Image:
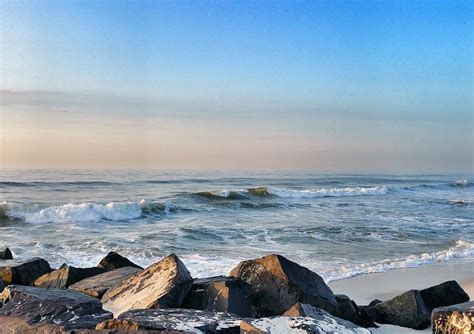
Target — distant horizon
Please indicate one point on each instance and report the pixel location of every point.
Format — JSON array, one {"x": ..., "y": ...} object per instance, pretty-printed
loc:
[{"x": 321, "y": 86}]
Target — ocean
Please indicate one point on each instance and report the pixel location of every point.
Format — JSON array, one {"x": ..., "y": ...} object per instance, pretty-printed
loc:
[{"x": 337, "y": 225}]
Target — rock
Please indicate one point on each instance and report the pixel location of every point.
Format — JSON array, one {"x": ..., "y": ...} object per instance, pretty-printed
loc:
[
  {"x": 444, "y": 294},
  {"x": 164, "y": 284},
  {"x": 114, "y": 261},
  {"x": 97, "y": 285},
  {"x": 175, "y": 319},
  {"x": 278, "y": 283},
  {"x": 2, "y": 286},
  {"x": 66, "y": 275},
  {"x": 350, "y": 311},
  {"x": 63, "y": 308},
  {"x": 454, "y": 319},
  {"x": 406, "y": 310},
  {"x": 222, "y": 294},
  {"x": 315, "y": 321},
  {"x": 6, "y": 254},
  {"x": 23, "y": 273}
]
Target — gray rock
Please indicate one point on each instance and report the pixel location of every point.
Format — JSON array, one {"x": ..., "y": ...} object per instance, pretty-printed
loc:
[
  {"x": 454, "y": 319},
  {"x": 351, "y": 312},
  {"x": 6, "y": 254},
  {"x": 63, "y": 308},
  {"x": 278, "y": 283},
  {"x": 175, "y": 319},
  {"x": 164, "y": 284},
  {"x": 114, "y": 261},
  {"x": 221, "y": 294},
  {"x": 444, "y": 294},
  {"x": 406, "y": 310},
  {"x": 97, "y": 285},
  {"x": 66, "y": 275},
  {"x": 23, "y": 273},
  {"x": 314, "y": 321}
]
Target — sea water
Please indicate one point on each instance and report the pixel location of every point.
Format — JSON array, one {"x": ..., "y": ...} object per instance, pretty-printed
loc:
[{"x": 336, "y": 225}]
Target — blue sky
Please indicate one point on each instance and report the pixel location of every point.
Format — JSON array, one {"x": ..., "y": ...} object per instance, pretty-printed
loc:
[{"x": 322, "y": 76}]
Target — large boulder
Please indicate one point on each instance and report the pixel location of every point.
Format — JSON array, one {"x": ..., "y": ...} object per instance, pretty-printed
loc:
[
  {"x": 222, "y": 294},
  {"x": 175, "y": 319},
  {"x": 444, "y": 294},
  {"x": 350, "y": 311},
  {"x": 62, "y": 308},
  {"x": 314, "y": 321},
  {"x": 278, "y": 283},
  {"x": 66, "y": 275},
  {"x": 97, "y": 285},
  {"x": 164, "y": 284},
  {"x": 454, "y": 319},
  {"x": 405, "y": 310},
  {"x": 114, "y": 261},
  {"x": 23, "y": 273},
  {"x": 6, "y": 254}
]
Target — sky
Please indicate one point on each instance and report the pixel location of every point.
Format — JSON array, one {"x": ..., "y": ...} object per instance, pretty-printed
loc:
[{"x": 329, "y": 86}]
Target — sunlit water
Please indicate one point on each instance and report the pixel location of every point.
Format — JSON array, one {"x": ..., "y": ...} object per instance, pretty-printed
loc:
[{"x": 337, "y": 225}]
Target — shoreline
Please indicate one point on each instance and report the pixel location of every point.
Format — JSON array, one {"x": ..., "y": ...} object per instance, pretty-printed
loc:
[{"x": 386, "y": 285}]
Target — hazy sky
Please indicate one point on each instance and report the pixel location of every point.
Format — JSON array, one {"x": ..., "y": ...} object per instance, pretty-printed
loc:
[{"x": 383, "y": 86}]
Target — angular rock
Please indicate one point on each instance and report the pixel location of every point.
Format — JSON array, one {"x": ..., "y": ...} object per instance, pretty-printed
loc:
[
  {"x": 350, "y": 311},
  {"x": 221, "y": 294},
  {"x": 454, "y": 319},
  {"x": 318, "y": 322},
  {"x": 6, "y": 254},
  {"x": 444, "y": 294},
  {"x": 164, "y": 284},
  {"x": 175, "y": 319},
  {"x": 278, "y": 283},
  {"x": 97, "y": 285},
  {"x": 114, "y": 261},
  {"x": 23, "y": 273},
  {"x": 405, "y": 310},
  {"x": 63, "y": 308},
  {"x": 66, "y": 275}
]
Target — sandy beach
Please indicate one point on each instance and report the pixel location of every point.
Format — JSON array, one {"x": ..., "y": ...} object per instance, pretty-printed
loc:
[{"x": 365, "y": 288}]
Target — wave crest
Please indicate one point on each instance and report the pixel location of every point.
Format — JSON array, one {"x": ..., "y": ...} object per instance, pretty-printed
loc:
[{"x": 83, "y": 212}]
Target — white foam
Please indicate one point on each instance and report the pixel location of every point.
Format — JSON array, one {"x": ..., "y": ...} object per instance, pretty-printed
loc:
[
  {"x": 333, "y": 192},
  {"x": 461, "y": 250}
]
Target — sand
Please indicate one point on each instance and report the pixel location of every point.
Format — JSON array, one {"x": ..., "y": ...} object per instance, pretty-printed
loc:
[{"x": 365, "y": 288}]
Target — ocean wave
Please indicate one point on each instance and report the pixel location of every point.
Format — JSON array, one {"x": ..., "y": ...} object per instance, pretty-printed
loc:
[
  {"x": 291, "y": 193},
  {"x": 462, "y": 249},
  {"x": 84, "y": 212}
]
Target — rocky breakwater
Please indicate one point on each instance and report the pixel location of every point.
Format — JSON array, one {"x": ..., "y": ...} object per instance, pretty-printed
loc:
[{"x": 266, "y": 295}]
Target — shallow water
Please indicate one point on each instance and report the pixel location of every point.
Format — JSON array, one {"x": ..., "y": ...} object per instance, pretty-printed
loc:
[{"x": 337, "y": 225}]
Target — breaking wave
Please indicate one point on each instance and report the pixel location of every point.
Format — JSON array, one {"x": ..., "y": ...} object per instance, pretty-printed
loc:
[
  {"x": 83, "y": 212},
  {"x": 290, "y": 193},
  {"x": 462, "y": 249}
]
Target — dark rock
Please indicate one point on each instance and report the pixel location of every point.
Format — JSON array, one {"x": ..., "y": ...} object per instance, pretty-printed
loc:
[
  {"x": 350, "y": 311},
  {"x": 301, "y": 318},
  {"x": 97, "y": 285},
  {"x": 278, "y": 283},
  {"x": 406, "y": 310},
  {"x": 221, "y": 294},
  {"x": 454, "y": 319},
  {"x": 6, "y": 254},
  {"x": 444, "y": 294},
  {"x": 23, "y": 273},
  {"x": 2, "y": 286},
  {"x": 375, "y": 302},
  {"x": 175, "y": 319},
  {"x": 66, "y": 275},
  {"x": 164, "y": 284},
  {"x": 63, "y": 308},
  {"x": 114, "y": 261}
]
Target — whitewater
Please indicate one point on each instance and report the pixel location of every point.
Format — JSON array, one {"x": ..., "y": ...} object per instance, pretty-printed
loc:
[{"x": 337, "y": 225}]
